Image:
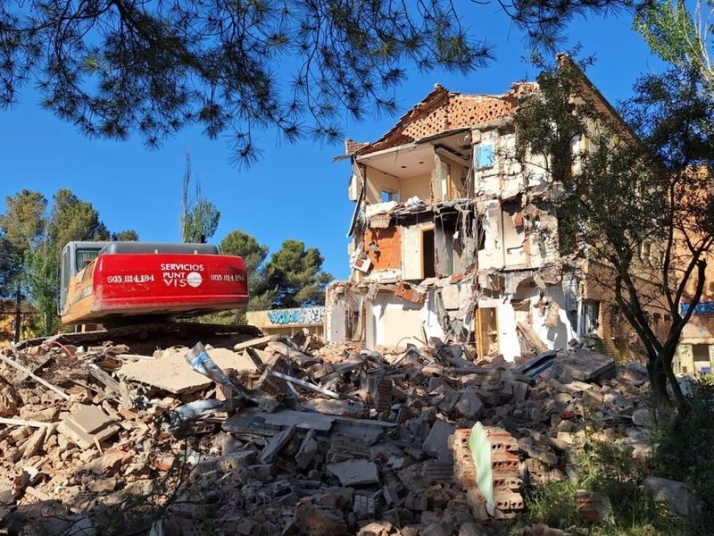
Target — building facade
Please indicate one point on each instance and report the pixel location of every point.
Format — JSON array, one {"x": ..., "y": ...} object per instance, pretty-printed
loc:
[{"x": 456, "y": 238}]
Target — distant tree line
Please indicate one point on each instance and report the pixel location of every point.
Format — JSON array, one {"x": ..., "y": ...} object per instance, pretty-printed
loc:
[{"x": 33, "y": 231}]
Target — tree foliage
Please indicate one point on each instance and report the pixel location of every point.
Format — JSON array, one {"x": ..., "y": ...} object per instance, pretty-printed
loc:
[
  {"x": 241, "y": 243},
  {"x": 73, "y": 219},
  {"x": 640, "y": 199},
  {"x": 129, "y": 235},
  {"x": 32, "y": 235},
  {"x": 199, "y": 217},
  {"x": 22, "y": 222},
  {"x": 293, "y": 276},
  {"x": 10, "y": 269},
  {"x": 114, "y": 67},
  {"x": 680, "y": 33}
]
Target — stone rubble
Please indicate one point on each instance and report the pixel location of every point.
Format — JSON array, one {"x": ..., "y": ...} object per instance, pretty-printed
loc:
[{"x": 320, "y": 440}]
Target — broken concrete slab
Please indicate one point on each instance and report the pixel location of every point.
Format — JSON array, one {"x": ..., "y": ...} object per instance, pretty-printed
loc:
[
  {"x": 677, "y": 496},
  {"x": 354, "y": 472},
  {"x": 308, "y": 449},
  {"x": 436, "y": 443},
  {"x": 87, "y": 426},
  {"x": 172, "y": 373},
  {"x": 585, "y": 365},
  {"x": 278, "y": 441}
]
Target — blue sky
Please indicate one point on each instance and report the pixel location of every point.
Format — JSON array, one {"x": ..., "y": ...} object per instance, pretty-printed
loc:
[{"x": 295, "y": 191}]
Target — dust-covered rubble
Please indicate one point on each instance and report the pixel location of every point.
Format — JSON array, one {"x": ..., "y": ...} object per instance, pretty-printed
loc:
[{"x": 288, "y": 436}]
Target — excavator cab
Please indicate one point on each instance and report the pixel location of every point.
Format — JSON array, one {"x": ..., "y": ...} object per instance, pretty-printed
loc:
[{"x": 74, "y": 257}]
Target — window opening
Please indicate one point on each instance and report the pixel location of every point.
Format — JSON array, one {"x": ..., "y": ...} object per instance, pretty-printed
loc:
[
  {"x": 427, "y": 251},
  {"x": 388, "y": 196},
  {"x": 485, "y": 156}
]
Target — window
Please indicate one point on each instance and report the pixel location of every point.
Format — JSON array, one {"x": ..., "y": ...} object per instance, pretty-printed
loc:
[
  {"x": 388, "y": 196},
  {"x": 85, "y": 256},
  {"x": 485, "y": 156},
  {"x": 589, "y": 321}
]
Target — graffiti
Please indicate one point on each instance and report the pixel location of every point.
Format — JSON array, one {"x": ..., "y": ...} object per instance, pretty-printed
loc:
[
  {"x": 306, "y": 316},
  {"x": 702, "y": 308}
]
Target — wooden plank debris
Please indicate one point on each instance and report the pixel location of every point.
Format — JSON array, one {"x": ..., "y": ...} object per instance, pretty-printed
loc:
[{"x": 36, "y": 378}]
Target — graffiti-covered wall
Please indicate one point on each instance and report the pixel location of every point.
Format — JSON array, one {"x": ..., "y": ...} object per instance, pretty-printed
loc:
[{"x": 286, "y": 320}]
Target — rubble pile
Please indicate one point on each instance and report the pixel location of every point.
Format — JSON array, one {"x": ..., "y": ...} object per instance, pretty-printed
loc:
[{"x": 287, "y": 436}]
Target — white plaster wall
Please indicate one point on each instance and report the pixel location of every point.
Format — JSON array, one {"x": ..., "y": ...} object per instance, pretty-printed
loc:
[
  {"x": 508, "y": 340},
  {"x": 412, "y": 250},
  {"x": 487, "y": 180},
  {"x": 378, "y": 181},
  {"x": 492, "y": 254},
  {"x": 394, "y": 322},
  {"x": 555, "y": 337},
  {"x": 335, "y": 320},
  {"x": 415, "y": 186},
  {"x": 430, "y": 318}
]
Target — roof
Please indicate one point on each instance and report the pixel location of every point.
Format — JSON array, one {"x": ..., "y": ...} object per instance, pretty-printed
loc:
[{"x": 444, "y": 111}]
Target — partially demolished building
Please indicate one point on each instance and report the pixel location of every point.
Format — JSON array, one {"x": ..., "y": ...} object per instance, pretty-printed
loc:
[{"x": 456, "y": 238}]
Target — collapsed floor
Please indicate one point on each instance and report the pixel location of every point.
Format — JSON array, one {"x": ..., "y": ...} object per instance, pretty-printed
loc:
[{"x": 295, "y": 437}]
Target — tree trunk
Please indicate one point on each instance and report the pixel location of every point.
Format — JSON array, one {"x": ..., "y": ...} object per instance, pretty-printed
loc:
[
  {"x": 18, "y": 314},
  {"x": 658, "y": 379},
  {"x": 666, "y": 356}
]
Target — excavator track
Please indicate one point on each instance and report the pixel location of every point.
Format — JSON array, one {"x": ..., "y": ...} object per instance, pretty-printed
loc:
[{"x": 158, "y": 334}]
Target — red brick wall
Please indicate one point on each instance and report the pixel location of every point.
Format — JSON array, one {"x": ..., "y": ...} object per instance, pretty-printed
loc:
[{"x": 389, "y": 242}]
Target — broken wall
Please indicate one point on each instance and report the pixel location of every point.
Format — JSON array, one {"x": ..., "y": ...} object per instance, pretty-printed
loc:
[
  {"x": 404, "y": 187},
  {"x": 450, "y": 253},
  {"x": 515, "y": 246},
  {"x": 491, "y": 255},
  {"x": 384, "y": 247},
  {"x": 486, "y": 160},
  {"x": 342, "y": 309},
  {"x": 393, "y": 321}
]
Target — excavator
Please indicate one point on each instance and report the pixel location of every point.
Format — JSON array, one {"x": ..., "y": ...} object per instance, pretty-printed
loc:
[
  {"x": 129, "y": 288},
  {"x": 104, "y": 282}
]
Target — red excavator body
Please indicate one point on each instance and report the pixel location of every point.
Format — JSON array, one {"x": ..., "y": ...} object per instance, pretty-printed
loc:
[{"x": 116, "y": 281}]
